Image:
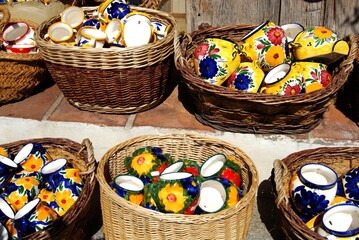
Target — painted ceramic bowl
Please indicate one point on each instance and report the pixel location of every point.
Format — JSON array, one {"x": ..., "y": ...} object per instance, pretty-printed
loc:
[
  {"x": 183, "y": 165},
  {"x": 291, "y": 30},
  {"x": 6, "y": 211},
  {"x": 7, "y": 169},
  {"x": 267, "y": 45},
  {"x": 247, "y": 77},
  {"x": 213, "y": 196},
  {"x": 216, "y": 59},
  {"x": 93, "y": 22},
  {"x": 340, "y": 222},
  {"x": 312, "y": 189},
  {"x": 48, "y": 197},
  {"x": 234, "y": 193},
  {"x": 319, "y": 44},
  {"x": 130, "y": 188},
  {"x": 5, "y": 152},
  {"x": 176, "y": 192},
  {"x": 148, "y": 201},
  {"x": 146, "y": 160},
  {"x": 111, "y": 9},
  {"x": 161, "y": 29},
  {"x": 32, "y": 157},
  {"x": 349, "y": 185}
]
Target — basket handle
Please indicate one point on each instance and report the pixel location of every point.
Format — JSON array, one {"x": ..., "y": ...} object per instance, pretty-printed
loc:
[
  {"x": 179, "y": 38},
  {"x": 280, "y": 173},
  {"x": 5, "y": 19},
  {"x": 91, "y": 164}
]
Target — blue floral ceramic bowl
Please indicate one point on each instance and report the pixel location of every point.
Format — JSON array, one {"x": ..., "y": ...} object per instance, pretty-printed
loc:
[
  {"x": 348, "y": 185},
  {"x": 7, "y": 169},
  {"x": 130, "y": 188},
  {"x": 111, "y": 9}
]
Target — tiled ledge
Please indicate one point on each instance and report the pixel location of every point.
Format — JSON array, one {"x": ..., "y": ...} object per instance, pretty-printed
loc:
[{"x": 49, "y": 104}]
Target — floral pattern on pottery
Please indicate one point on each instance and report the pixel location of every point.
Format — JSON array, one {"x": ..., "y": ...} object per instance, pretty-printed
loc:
[
  {"x": 176, "y": 193},
  {"x": 213, "y": 196},
  {"x": 32, "y": 157},
  {"x": 234, "y": 193},
  {"x": 113, "y": 9},
  {"x": 148, "y": 201},
  {"x": 350, "y": 183},
  {"x": 247, "y": 77},
  {"x": 216, "y": 59},
  {"x": 146, "y": 160},
  {"x": 66, "y": 197},
  {"x": 24, "y": 173},
  {"x": 5, "y": 152},
  {"x": 7, "y": 169},
  {"x": 129, "y": 188},
  {"x": 184, "y": 165},
  {"x": 48, "y": 197},
  {"x": 312, "y": 189}
]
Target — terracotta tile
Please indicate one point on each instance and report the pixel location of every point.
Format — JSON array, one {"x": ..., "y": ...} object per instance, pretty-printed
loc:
[
  {"x": 68, "y": 113},
  {"x": 170, "y": 114},
  {"x": 33, "y": 107},
  {"x": 336, "y": 126}
]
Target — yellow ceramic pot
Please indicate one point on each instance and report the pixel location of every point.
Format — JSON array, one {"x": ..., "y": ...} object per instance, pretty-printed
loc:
[
  {"x": 247, "y": 77},
  {"x": 319, "y": 44},
  {"x": 216, "y": 59},
  {"x": 266, "y": 44}
]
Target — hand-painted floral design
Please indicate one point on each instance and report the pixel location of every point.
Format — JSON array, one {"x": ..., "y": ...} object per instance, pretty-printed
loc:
[
  {"x": 73, "y": 174},
  {"x": 16, "y": 200},
  {"x": 117, "y": 10},
  {"x": 201, "y": 50},
  {"x": 173, "y": 198},
  {"x": 233, "y": 196},
  {"x": 309, "y": 203},
  {"x": 208, "y": 68},
  {"x": 5, "y": 152},
  {"x": 136, "y": 198},
  {"x": 44, "y": 214},
  {"x": 321, "y": 35},
  {"x": 325, "y": 78},
  {"x": 273, "y": 57},
  {"x": 276, "y": 36},
  {"x": 65, "y": 199},
  {"x": 351, "y": 184},
  {"x": 27, "y": 182}
]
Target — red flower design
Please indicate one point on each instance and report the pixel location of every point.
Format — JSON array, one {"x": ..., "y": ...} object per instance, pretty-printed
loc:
[
  {"x": 291, "y": 90},
  {"x": 260, "y": 46},
  {"x": 314, "y": 75},
  {"x": 201, "y": 50},
  {"x": 232, "y": 176},
  {"x": 192, "y": 170},
  {"x": 275, "y": 35},
  {"x": 325, "y": 77},
  {"x": 214, "y": 51}
]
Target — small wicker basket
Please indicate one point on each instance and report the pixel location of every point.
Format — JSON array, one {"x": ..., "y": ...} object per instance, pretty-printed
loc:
[
  {"x": 20, "y": 74},
  {"x": 340, "y": 159},
  {"x": 74, "y": 223},
  {"x": 108, "y": 80},
  {"x": 238, "y": 111},
  {"x": 125, "y": 220}
]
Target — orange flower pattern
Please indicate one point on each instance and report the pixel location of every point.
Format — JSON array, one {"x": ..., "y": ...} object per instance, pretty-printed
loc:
[
  {"x": 16, "y": 200},
  {"x": 74, "y": 175},
  {"x": 172, "y": 197},
  {"x": 65, "y": 199}
]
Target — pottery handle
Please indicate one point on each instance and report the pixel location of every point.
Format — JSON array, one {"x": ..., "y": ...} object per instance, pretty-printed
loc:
[
  {"x": 179, "y": 38},
  {"x": 5, "y": 18},
  {"x": 91, "y": 164},
  {"x": 280, "y": 174}
]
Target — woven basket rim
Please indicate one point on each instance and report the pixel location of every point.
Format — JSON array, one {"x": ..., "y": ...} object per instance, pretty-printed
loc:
[
  {"x": 182, "y": 218},
  {"x": 281, "y": 177},
  {"x": 183, "y": 41},
  {"x": 105, "y": 54},
  {"x": 89, "y": 185}
]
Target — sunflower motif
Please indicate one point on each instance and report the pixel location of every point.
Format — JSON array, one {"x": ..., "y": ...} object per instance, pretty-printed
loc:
[
  {"x": 275, "y": 56},
  {"x": 45, "y": 214},
  {"x": 173, "y": 198},
  {"x": 27, "y": 182},
  {"x": 33, "y": 163},
  {"x": 65, "y": 199},
  {"x": 74, "y": 175},
  {"x": 16, "y": 200},
  {"x": 322, "y": 32}
]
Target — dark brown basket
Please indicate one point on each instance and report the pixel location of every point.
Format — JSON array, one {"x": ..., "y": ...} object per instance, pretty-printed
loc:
[
  {"x": 340, "y": 159},
  {"x": 108, "y": 80},
  {"x": 74, "y": 224},
  {"x": 239, "y": 111},
  {"x": 20, "y": 74}
]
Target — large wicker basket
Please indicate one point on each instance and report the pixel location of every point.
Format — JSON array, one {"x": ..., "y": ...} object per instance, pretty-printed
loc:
[
  {"x": 125, "y": 220},
  {"x": 108, "y": 80},
  {"x": 239, "y": 111},
  {"x": 340, "y": 159},
  {"x": 20, "y": 74},
  {"x": 74, "y": 224}
]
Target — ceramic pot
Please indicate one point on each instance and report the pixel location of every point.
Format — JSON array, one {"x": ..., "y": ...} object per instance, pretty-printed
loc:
[
  {"x": 73, "y": 15},
  {"x": 6, "y": 211},
  {"x": 216, "y": 59},
  {"x": 312, "y": 189},
  {"x": 176, "y": 192},
  {"x": 247, "y": 77},
  {"x": 161, "y": 29},
  {"x": 349, "y": 185},
  {"x": 137, "y": 29},
  {"x": 32, "y": 157},
  {"x": 130, "y": 188},
  {"x": 213, "y": 196},
  {"x": 148, "y": 201},
  {"x": 90, "y": 37},
  {"x": 5, "y": 152},
  {"x": 291, "y": 30},
  {"x": 48, "y": 197},
  {"x": 7, "y": 169},
  {"x": 111, "y": 9},
  {"x": 18, "y": 33},
  {"x": 183, "y": 165}
]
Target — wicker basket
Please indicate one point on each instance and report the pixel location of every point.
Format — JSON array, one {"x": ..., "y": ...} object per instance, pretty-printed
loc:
[
  {"x": 108, "y": 80},
  {"x": 239, "y": 111},
  {"x": 340, "y": 159},
  {"x": 74, "y": 224},
  {"x": 20, "y": 74},
  {"x": 125, "y": 220}
]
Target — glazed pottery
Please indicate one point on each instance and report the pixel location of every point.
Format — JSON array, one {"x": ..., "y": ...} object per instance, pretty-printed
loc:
[
  {"x": 73, "y": 15},
  {"x": 176, "y": 192},
  {"x": 216, "y": 59},
  {"x": 312, "y": 189},
  {"x": 291, "y": 30},
  {"x": 17, "y": 48},
  {"x": 113, "y": 31},
  {"x": 340, "y": 222},
  {"x": 18, "y": 33},
  {"x": 146, "y": 160},
  {"x": 95, "y": 23},
  {"x": 51, "y": 172},
  {"x": 7, "y": 169},
  {"x": 5, "y": 152},
  {"x": 4, "y": 233},
  {"x": 60, "y": 32},
  {"x": 267, "y": 45},
  {"x": 247, "y": 77},
  {"x": 137, "y": 29},
  {"x": 350, "y": 184},
  {"x": 33, "y": 217},
  {"x": 111, "y": 9},
  {"x": 319, "y": 44},
  {"x": 48, "y": 197},
  {"x": 218, "y": 165},
  {"x": 234, "y": 193},
  {"x": 32, "y": 157},
  {"x": 148, "y": 201},
  {"x": 21, "y": 191},
  {"x": 314, "y": 75},
  {"x": 160, "y": 29},
  {"x": 91, "y": 37},
  {"x": 183, "y": 165},
  {"x": 213, "y": 196},
  {"x": 6, "y": 212},
  {"x": 130, "y": 188},
  {"x": 283, "y": 80},
  {"x": 23, "y": 173}
]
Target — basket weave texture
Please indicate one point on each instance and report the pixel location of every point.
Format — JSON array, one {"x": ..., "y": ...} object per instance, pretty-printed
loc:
[
  {"x": 108, "y": 80},
  {"x": 20, "y": 74},
  {"x": 340, "y": 159},
  {"x": 74, "y": 223},
  {"x": 125, "y": 220},
  {"x": 239, "y": 111}
]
